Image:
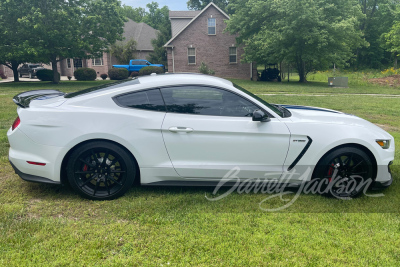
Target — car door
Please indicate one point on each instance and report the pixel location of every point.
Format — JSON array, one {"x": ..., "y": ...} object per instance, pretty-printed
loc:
[{"x": 209, "y": 131}]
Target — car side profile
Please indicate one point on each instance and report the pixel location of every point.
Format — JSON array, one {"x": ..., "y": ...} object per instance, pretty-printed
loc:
[
  {"x": 187, "y": 129},
  {"x": 137, "y": 65}
]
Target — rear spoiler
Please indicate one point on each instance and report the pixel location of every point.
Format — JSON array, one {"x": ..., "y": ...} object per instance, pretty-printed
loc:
[{"x": 23, "y": 99}]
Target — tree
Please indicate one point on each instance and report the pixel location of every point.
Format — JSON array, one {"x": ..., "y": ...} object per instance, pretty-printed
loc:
[
  {"x": 73, "y": 28},
  {"x": 378, "y": 19},
  {"x": 157, "y": 18},
  {"x": 135, "y": 14},
  {"x": 310, "y": 33},
  {"x": 159, "y": 55},
  {"x": 200, "y": 4},
  {"x": 124, "y": 52},
  {"x": 392, "y": 38},
  {"x": 14, "y": 36}
]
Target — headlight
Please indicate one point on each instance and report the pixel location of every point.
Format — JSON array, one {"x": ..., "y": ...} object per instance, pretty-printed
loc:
[{"x": 385, "y": 144}]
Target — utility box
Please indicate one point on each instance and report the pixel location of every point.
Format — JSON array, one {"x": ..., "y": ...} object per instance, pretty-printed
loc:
[{"x": 338, "y": 81}]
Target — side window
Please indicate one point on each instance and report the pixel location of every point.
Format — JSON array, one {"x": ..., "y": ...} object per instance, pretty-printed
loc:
[
  {"x": 202, "y": 100},
  {"x": 148, "y": 100}
]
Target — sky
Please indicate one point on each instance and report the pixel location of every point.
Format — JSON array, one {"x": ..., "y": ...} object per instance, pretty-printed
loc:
[{"x": 172, "y": 4}]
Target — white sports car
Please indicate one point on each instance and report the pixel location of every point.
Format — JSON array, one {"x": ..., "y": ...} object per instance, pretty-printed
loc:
[{"x": 187, "y": 129}]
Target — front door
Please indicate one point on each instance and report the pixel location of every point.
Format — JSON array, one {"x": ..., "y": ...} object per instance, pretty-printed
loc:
[{"x": 209, "y": 131}]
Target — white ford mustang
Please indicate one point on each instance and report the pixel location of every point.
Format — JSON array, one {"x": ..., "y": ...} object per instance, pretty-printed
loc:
[{"x": 187, "y": 129}]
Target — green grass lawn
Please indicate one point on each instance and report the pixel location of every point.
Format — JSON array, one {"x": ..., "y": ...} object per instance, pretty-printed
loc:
[{"x": 43, "y": 225}]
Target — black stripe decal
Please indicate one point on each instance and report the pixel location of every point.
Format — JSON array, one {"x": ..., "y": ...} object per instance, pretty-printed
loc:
[{"x": 301, "y": 154}]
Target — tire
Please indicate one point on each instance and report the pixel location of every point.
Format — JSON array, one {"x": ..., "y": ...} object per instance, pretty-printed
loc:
[
  {"x": 344, "y": 172},
  {"x": 93, "y": 178}
]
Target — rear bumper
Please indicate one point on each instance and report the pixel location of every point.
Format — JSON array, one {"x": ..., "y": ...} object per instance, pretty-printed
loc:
[{"x": 32, "y": 178}]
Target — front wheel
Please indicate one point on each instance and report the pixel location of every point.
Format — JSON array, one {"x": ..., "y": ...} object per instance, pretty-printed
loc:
[
  {"x": 101, "y": 170},
  {"x": 345, "y": 172}
]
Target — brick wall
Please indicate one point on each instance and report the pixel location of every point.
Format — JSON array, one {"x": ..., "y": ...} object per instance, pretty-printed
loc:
[{"x": 213, "y": 50}]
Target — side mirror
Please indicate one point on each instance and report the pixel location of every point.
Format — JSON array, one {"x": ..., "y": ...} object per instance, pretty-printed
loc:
[{"x": 259, "y": 115}]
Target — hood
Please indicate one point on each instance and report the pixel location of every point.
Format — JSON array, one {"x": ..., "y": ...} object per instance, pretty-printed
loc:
[
  {"x": 306, "y": 114},
  {"x": 157, "y": 65}
]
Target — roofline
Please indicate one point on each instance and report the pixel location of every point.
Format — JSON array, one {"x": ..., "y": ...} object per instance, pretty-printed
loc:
[
  {"x": 181, "y": 17},
  {"x": 210, "y": 4}
]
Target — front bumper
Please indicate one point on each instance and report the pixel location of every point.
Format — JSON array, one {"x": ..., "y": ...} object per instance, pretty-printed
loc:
[{"x": 378, "y": 185}]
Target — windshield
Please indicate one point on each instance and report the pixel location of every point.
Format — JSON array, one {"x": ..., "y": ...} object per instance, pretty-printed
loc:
[
  {"x": 103, "y": 87},
  {"x": 272, "y": 107}
]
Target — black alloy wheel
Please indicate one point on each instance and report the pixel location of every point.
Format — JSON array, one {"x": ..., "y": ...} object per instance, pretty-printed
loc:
[
  {"x": 345, "y": 172},
  {"x": 101, "y": 170}
]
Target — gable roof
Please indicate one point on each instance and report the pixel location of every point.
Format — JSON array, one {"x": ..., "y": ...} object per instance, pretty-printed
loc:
[
  {"x": 141, "y": 32},
  {"x": 199, "y": 14}
]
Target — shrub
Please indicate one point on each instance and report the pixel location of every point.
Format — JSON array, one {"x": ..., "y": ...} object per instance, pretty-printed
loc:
[
  {"x": 69, "y": 78},
  {"x": 103, "y": 76},
  {"x": 45, "y": 75},
  {"x": 85, "y": 74},
  {"x": 150, "y": 69},
  {"x": 118, "y": 74},
  {"x": 205, "y": 69},
  {"x": 134, "y": 74}
]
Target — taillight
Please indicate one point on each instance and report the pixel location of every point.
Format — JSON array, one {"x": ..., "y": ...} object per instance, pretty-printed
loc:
[{"x": 16, "y": 123}]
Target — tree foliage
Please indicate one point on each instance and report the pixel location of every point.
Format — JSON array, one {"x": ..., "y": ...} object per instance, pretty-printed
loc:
[
  {"x": 200, "y": 4},
  {"x": 158, "y": 18},
  {"x": 74, "y": 28},
  {"x": 311, "y": 33},
  {"x": 124, "y": 52},
  {"x": 135, "y": 14},
  {"x": 377, "y": 20},
  {"x": 15, "y": 39}
]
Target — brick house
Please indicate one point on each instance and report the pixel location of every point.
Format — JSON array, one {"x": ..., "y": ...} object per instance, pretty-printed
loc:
[
  {"x": 141, "y": 32},
  {"x": 198, "y": 36}
]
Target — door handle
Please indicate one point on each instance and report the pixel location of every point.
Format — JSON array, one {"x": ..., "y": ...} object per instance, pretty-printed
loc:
[{"x": 180, "y": 129}]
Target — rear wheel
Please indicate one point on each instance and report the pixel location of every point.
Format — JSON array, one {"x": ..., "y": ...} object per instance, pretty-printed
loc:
[
  {"x": 101, "y": 170},
  {"x": 344, "y": 172}
]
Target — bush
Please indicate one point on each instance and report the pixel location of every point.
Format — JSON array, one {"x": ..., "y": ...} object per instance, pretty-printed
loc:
[
  {"x": 85, "y": 74},
  {"x": 45, "y": 75},
  {"x": 205, "y": 69},
  {"x": 134, "y": 74},
  {"x": 118, "y": 74},
  {"x": 103, "y": 76},
  {"x": 150, "y": 69}
]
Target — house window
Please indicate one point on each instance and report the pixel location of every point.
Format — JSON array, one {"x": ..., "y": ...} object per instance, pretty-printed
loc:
[
  {"x": 78, "y": 63},
  {"x": 232, "y": 55},
  {"x": 212, "y": 26},
  {"x": 192, "y": 55},
  {"x": 68, "y": 63},
  {"x": 97, "y": 61}
]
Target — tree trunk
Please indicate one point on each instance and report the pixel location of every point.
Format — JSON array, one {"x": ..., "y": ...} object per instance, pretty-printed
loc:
[
  {"x": 301, "y": 68},
  {"x": 56, "y": 78},
  {"x": 14, "y": 67},
  {"x": 395, "y": 61}
]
